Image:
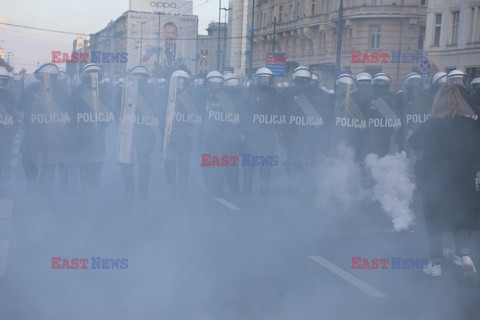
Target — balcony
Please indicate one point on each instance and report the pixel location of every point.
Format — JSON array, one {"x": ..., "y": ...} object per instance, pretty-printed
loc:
[{"x": 380, "y": 11}]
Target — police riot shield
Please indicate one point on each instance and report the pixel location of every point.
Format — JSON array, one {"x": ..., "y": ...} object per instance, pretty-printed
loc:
[
  {"x": 308, "y": 109},
  {"x": 127, "y": 121},
  {"x": 45, "y": 99},
  {"x": 172, "y": 100},
  {"x": 353, "y": 109},
  {"x": 226, "y": 102},
  {"x": 91, "y": 96},
  {"x": 384, "y": 109}
]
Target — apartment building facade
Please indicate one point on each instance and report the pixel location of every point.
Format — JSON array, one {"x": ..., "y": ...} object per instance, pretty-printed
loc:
[
  {"x": 453, "y": 35},
  {"x": 307, "y": 32}
]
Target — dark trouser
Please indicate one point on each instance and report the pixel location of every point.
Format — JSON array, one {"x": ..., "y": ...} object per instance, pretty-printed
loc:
[
  {"x": 265, "y": 178},
  {"x": 143, "y": 175},
  {"x": 301, "y": 177},
  {"x": 31, "y": 173},
  {"x": 176, "y": 172},
  {"x": 214, "y": 180},
  {"x": 90, "y": 175},
  {"x": 44, "y": 178},
  {"x": 435, "y": 231},
  {"x": 232, "y": 174}
]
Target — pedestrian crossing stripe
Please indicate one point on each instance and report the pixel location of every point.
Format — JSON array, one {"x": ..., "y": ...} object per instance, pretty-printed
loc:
[
  {"x": 6, "y": 208},
  {"x": 3, "y": 256}
]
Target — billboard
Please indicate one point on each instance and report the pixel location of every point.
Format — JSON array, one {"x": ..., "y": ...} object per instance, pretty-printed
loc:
[
  {"x": 277, "y": 63},
  {"x": 162, "y": 43},
  {"x": 163, "y": 6}
]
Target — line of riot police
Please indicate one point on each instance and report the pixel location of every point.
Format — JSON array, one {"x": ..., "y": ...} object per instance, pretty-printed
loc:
[{"x": 300, "y": 122}]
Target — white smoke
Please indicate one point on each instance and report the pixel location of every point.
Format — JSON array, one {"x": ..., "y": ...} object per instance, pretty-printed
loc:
[
  {"x": 393, "y": 187},
  {"x": 340, "y": 180}
]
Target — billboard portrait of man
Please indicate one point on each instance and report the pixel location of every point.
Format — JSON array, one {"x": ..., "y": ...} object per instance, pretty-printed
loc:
[{"x": 170, "y": 34}]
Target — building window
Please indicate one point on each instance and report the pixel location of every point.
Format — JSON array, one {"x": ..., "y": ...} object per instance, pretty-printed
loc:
[
  {"x": 373, "y": 70},
  {"x": 473, "y": 72},
  {"x": 264, "y": 19},
  {"x": 455, "y": 20},
  {"x": 313, "y": 7},
  {"x": 280, "y": 14},
  {"x": 423, "y": 2},
  {"x": 421, "y": 37},
  {"x": 377, "y": 2},
  {"x": 375, "y": 37},
  {"x": 437, "y": 29},
  {"x": 477, "y": 25}
]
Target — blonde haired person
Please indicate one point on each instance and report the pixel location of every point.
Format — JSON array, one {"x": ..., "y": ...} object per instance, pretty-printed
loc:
[{"x": 451, "y": 155}]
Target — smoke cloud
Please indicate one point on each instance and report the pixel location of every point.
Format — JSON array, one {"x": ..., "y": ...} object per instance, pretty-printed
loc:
[{"x": 393, "y": 187}]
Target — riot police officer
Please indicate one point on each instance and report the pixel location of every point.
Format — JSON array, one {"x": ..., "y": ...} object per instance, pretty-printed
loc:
[
  {"x": 8, "y": 123},
  {"x": 183, "y": 118},
  {"x": 48, "y": 141},
  {"x": 93, "y": 105},
  {"x": 415, "y": 106},
  {"x": 139, "y": 126},
  {"x": 304, "y": 130},
  {"x": 474, "y": 95},
  {"x": 235, "y": 95},
  {"x": 212, "y": 139},
  {"x": 348, "y": 123},
  {"x": 439, "y": 79},
  {"x": 458, "y": 78},
  {"x": 264, "y": 119},
  {"x": 382, "y": 118}
]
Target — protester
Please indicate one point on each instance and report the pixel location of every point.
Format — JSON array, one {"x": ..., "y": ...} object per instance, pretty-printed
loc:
[{"x": 451, "y": 155}]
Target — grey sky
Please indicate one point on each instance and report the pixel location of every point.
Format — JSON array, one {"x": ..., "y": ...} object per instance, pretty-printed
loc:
[{"x": 30, "y": 47}]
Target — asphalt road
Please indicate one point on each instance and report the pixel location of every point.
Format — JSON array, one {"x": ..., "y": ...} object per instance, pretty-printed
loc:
[
  {"x": 206, "y": 258},
  {"x": 200, "y": 258}
]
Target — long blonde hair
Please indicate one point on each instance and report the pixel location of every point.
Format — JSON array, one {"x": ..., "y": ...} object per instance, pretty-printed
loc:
[{"x": 448, "y": 103}]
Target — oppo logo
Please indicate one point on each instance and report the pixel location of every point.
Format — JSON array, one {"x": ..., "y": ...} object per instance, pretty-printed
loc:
[{"x": 163, "y": 5}]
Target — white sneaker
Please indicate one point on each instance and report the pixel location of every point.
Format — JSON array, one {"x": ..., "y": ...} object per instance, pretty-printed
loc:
[
  {"x": 468, "y": 267},
  {"x": 434, "y": 270},
  {"x": 450, "y": 255}
]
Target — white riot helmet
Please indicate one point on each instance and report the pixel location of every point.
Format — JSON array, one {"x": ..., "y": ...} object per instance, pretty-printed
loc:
[
  {"x": 47, "y": 69},
  {"x": 181, "y": 74},
  {"x": 140, "y": 71},
  {"x": 182, "y": 79},
  {"x": 264, "y": 77},
  {"x": 456, "y": 77},
  {"x": 4, "y": 77},
  {"x": 214, "y": 79},
  {"x": 381, "y": 80},
  {"x": 413, "y": 80},
  {"x": 344, "y": 84},
  {"x": 302, "y": 76},
  {"x": 92, "y": 67},
  {"x": 439, "y": 79},
  {"x": 231, "y": 81},
  {"x": 363, "y": 78}
]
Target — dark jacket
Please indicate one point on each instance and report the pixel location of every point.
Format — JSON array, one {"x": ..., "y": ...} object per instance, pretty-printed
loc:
[{"x": 451, "y": 154}]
